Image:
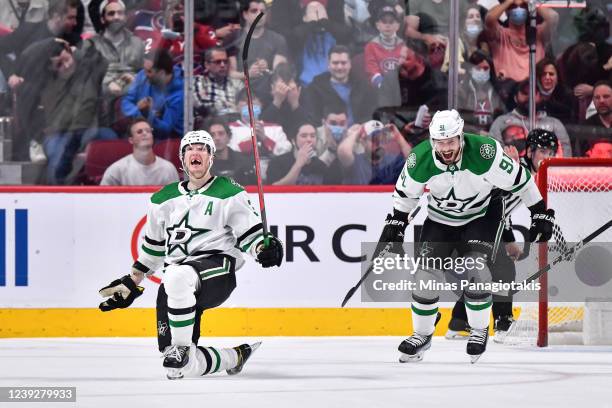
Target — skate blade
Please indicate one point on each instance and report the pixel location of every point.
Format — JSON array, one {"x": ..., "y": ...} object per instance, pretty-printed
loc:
[
  {"x": 456, "y": 335},
  {"x": 174, "y": 374},
  {"x": 474, "y": 359},
  {"x": 255, "y": 346},
  {"x": 407, "y": 358},
  {"x": 499, "y": 337}
]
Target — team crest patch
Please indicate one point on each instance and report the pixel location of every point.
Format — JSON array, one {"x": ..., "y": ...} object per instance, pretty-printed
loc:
[
  {"x": 162, "y": 328},
  {"x": 487, "y": 151},
  {"x": 411, "y": 162}
]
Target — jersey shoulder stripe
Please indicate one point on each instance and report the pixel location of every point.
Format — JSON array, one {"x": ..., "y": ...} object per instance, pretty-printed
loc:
[
  {"x": 420, "y": 163},
  {"x": 478, "y": 153},
  {"x": 166, "y": 193},
  {"x": 223, "y": 187}
]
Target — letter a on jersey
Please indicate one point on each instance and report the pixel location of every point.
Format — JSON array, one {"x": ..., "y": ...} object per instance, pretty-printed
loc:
[{"x": 179, "y": 235}]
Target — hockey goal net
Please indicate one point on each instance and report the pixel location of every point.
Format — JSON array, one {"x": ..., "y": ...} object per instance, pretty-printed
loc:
[{"x": 580, "y": 192}]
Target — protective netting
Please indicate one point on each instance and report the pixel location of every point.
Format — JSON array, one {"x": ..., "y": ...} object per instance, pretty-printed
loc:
[{"x": 581, "y": 196}]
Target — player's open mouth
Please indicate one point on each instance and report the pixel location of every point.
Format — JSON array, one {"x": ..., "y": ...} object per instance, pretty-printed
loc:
[
  {"x": 195, "y": 162},
  {"x": 448, "y": 156}
]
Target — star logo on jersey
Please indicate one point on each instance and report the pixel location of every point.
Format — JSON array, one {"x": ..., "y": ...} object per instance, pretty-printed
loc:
[
  {"x": 487, "y": 151},
  {"x": 451, "y": 203},
  {"x": 181, "y": 234}
]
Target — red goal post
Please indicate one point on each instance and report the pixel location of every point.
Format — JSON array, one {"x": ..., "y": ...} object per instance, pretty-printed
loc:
[{"x": 571, "y": 175}]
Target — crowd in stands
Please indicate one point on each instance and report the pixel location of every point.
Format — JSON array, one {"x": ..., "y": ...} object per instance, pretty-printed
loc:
[{"x": 342, "y": 89}]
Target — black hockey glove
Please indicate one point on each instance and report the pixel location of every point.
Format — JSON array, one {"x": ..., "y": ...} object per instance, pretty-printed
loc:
[
  {"x": 121, "y": 293},
  {"x": 272, "y": 255},
  {"x": 542, "y": 221},
  {"x": 393, "y": 233}
]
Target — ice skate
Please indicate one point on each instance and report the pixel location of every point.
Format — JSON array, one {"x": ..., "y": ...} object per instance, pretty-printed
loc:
[
  {"x": 175, "y": 358},
  {"x": 477, "y": 343},
  {"x": 414, "y": 347},
  {"x": 244, "y": 352},
  {"x": 501, "y": 328},
  {"x": 458, "y": 329}
]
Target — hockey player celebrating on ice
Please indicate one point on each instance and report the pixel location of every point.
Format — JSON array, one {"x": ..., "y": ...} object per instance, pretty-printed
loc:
[
  {"x": 199, "y": 230},
  {"x": 461, "y": 171},
  {"x": 541, "y": 144}
]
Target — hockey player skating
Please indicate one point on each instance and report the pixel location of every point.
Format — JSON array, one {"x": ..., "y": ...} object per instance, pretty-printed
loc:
[
  {"x": 199, "y": 230},
  {"x": 540, "y": 145},
  {"x": 461, "y": 172}
]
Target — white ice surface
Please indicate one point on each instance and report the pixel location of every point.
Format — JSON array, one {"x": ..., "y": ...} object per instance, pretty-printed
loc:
[{"x": 317, "y": 372}]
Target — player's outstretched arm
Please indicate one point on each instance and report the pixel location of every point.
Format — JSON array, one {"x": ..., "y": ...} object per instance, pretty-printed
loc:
[{"x": 122, "y": 292}]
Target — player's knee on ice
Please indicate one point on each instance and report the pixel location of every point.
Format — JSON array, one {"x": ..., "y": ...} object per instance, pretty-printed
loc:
[{"x": 180, "y": 281}]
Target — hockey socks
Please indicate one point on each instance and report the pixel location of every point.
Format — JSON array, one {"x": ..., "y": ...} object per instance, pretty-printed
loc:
[
  {"x": 424, "y": 316},
  {"x": 212, "y": 360},
  {"x": 478, "y": 312},
  {"x": 181, "y": 321}
]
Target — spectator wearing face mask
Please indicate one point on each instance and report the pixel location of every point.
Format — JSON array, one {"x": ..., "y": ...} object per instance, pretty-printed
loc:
[
  {"x": 509, "y": 46},
  {"x": 470, "y": 39},
  {"x": 477, "y": 98},
  {"x": 520, "y": 117},
  {"x": 330, "y": 134},
  {"x": 271, "y": 139},
  {"x": 515, "y": 136}
]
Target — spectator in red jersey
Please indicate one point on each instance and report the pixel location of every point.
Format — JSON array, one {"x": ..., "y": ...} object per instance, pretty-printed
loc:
[
  {"x": 382, "y": 53},
  {"x": 509, "y": 46},
  {"x": 271, "y": 139}
]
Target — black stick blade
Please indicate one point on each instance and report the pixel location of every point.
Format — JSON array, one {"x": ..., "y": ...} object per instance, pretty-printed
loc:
[
  {"x": 349, "y": 295},
  {"x": 247, "y": 40}
]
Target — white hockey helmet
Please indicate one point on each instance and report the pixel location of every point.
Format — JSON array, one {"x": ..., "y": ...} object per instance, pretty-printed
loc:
[
  {"x": 197, "y": 137},
  {"x": 446, "y": 124}
]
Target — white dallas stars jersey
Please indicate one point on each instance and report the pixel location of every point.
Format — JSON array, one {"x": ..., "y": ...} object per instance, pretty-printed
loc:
[
  {"x": 460, "y": 192},
  {"x": 183, "y": 225}
]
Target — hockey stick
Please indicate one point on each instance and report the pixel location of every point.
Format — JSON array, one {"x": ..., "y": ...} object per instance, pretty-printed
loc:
[
  {"x": 569, "y": 253},
  {"x": 245, "y": 68},
  {"x": 381, "y": 254}
]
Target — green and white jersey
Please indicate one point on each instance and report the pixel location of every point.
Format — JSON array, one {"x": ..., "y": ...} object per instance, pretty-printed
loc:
[
  {"x": 183, "y": 225},
  {"x": 460, "y": 192}
]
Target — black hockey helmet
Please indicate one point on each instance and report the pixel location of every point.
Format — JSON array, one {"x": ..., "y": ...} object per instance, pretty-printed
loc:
[{"x": 542, "y": 138}]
